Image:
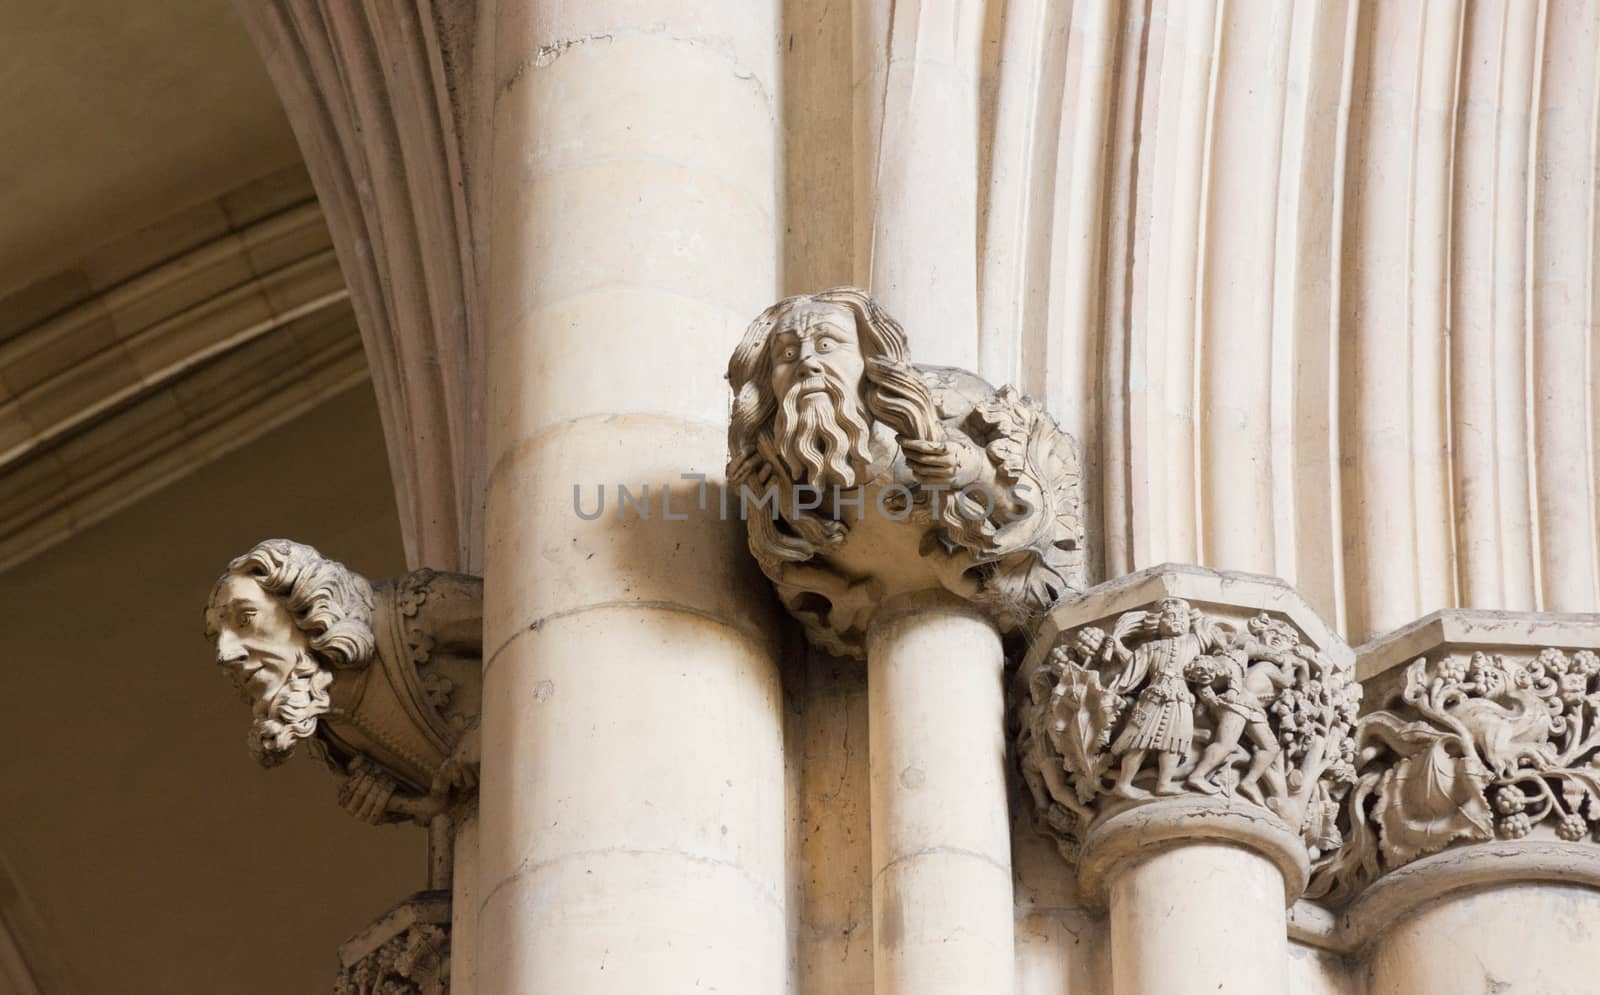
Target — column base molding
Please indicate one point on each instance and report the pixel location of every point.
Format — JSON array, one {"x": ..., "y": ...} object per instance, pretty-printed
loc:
[
  {"x": 1143, "y": 828},
  {"x": 1415, "y": 887}
]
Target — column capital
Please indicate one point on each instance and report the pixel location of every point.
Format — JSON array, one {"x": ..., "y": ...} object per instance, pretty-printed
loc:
[
  {"x": 1184, "y": 703},
  {"x": 407, "y": 949},
  {"x": 383, "y": 681},
  {"x": 1137, "y": 830},
  {"x": 865, "y": 478},
  {"x": 1482, "y": 727}
]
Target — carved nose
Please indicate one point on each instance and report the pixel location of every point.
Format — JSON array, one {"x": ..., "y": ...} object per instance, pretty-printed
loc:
[
  {"x": 811, "y": 363},
  {"x": 229, "y": 652}
]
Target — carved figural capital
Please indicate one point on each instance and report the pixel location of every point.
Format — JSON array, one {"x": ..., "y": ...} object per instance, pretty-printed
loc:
[
  {"x": 1180, "y": 681},
  {"x": 382, "y": 681},
  {"x": 1481, "y": 730},
  {"x": 406, "y": 952},
  {"x": 862, "y": 475}
]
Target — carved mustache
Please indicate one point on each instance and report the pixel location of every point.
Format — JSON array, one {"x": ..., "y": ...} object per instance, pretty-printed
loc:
[{"x": 825, "y": 380}]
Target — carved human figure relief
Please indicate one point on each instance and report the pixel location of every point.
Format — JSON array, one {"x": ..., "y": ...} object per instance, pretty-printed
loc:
[
  {"x": 1169, "y": 701},
  {"x": 382, "y": 682},
  {"x": 1473, "y": 747},
  {"x": 862, "y": 475}
]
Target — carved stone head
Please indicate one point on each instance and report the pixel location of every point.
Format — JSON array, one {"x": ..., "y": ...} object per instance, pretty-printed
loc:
[
  {"x": 977, "y": 488},
  {"x": 282, "y": 617},
  {"x": 1273, "y": 633},
  {"x": 1174, "y": 617},
  {"x": 811, "y": 376}
]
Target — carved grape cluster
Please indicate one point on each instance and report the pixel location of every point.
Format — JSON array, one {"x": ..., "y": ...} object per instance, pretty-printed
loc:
[{"x": 1479, "y": 747}]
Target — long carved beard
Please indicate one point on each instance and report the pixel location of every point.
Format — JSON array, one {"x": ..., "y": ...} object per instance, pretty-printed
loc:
[
  {"x": 291, "y": 714},
  {"x": 822, "y": 438}
]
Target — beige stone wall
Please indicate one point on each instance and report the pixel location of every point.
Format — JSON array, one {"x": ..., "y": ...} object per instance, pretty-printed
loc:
[{"x": 148, "y": 850}]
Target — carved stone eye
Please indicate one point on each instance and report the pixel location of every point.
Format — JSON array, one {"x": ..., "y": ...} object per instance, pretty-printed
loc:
[
  {"x": 789, "y": 354},
  {"x": 825, "y": 345}
]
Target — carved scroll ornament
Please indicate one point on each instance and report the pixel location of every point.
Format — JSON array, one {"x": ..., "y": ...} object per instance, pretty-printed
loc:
[
  {"x": 862, "y": 475},
  {"x": 1172, "y": 701},
  {"x": 382, "y": 681},
  {"x": 1475, "y": 747}
]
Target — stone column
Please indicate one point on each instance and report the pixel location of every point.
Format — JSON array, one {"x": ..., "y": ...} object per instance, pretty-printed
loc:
[
  {"x": 464, "y": 899},
  {"x": 897, "y": 534},
  {"x": 1515, "y": 927},
  {"x": 1197, "y": 891},
  {"x": 941, "y": 840},
  {"x": 1239, "y": 938},
  {"x": 1469, "y": 862},
  {"x": 1184, "y": 736},
  {"x": 632, "y": 804}
]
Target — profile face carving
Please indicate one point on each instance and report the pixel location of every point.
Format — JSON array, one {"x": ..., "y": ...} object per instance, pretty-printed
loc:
[
  {"x": 282, "y": 617},
  {"x": 258, "y": 643}
]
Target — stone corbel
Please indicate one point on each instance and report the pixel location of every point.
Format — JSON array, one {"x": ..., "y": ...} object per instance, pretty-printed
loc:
[
  {"x": 383, "y": 681},
  {"x": 865, "y": 477},
  {"x": 1479, "y": 759},
  {"x": 1182, "y": 703}
]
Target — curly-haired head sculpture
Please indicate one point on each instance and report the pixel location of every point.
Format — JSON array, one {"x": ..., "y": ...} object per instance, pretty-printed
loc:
[{"x": 282, "y": 616}]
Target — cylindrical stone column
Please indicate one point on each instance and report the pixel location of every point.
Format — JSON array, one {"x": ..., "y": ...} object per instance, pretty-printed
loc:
[
  {"x": 632, "y": 797},
  {"x": 1202, "y": 918},
  {"x": 1517, "y": 938},
  {"x": 1513, "y": 916},
  {"x": 1197, "y": 891},
  {"x": 464, "y": 900},
  {"x": 941, "y": 845}
]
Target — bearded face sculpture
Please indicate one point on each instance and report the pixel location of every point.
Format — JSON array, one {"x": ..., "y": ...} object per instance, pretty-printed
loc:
[
  {"x": 265, "y": 614},
  {"x": 269, "y": 660},
  {"x": 855, "y": 451},
  {"x": 382, "y": 681},
  {"x": 821, "y": 428}
]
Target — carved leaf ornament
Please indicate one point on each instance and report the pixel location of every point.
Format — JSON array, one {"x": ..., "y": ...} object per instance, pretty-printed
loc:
[{"x": 1476, "y": 748}]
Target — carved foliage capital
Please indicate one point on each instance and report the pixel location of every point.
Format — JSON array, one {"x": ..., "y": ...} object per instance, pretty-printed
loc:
[{"x": 1471, "y": 744}]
